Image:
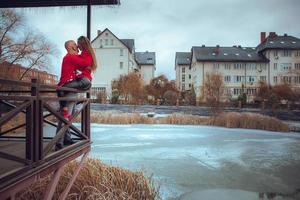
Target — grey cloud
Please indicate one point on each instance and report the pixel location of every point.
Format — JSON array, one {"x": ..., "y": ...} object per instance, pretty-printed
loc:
[{"x": 167, "y": 26}]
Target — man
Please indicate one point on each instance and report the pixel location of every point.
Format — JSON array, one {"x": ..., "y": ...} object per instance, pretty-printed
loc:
[{"x": 71, "y": 62}]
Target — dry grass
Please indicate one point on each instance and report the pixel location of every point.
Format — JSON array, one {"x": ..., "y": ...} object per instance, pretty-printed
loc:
[
  {"x": 229, "y": 120},
  {"x": 97, "y": 181},
  {"x": 117, "y": 117},
  {"x": 178, "y": 118},
  {"x": 249, "y": 120}
]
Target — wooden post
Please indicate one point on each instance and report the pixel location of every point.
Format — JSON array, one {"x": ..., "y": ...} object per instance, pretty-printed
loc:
[
  {"x": 88, "y": 25},
  {"x": 37, "y": 118}
]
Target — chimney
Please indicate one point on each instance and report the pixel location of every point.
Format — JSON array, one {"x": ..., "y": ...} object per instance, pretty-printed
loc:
[
  {"x": 98, "y": 32},
  {"x": 262, "y": 37},
  {"x": 203, "y": 45},
  {"x": 217, "y": 49},
  {"x": 272, "y": 34}
]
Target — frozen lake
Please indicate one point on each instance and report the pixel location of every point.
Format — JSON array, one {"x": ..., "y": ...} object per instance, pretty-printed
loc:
[{"x": 204, "y": 162}]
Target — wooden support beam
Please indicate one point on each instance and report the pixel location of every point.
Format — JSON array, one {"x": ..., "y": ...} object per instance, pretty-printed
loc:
[
  {"x": 52, "y": 185},
  {"x": 75, "y": 174}
]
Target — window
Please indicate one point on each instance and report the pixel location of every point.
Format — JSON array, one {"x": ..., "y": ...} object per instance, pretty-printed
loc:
[
  {"x": 287, "y": 53},
  {"x": 297, "y": 66},
  {"x": 216, "y": 66},
  {"x": 275, "y": 66},
  {"x": 227, "y": 91},
  {"x": 227, "y": 79},
  {"x": 227, "y": 66},
  {"x": 238, "y": 79},
  {"x": 190, "y": 85},
  {"x": 297, "y": 54},
  {"x": 275, "y": 53},
  {"x": 183, "y": 70},
  {"x": 275, "y": 79},
  {"x": 101, "y": 42},
  {"x": 183, "y": 86},
  {"x": 121, "y": 65},
  {"x": 111, "y": 42},
  {"x": 121, "y": 52},
  {"x": 183, "y": 78},
  {"x": 286, "y": 66},
  {"x": 251, "y": 79},
  {"x": 297, "y": 79},
  {"x": 287, "y": 79},
  {"x": 263, "y": 78},
  {"x": 237, "y": 91},
  {"x": 106, "y": 41},
  {"x": 239, "y": 66},
  {"x": 262, "y": 67},
  {"x": 190, "y": 76},
  {"x": 251, "y": 66},
  {"x": 251, "y": 91}
]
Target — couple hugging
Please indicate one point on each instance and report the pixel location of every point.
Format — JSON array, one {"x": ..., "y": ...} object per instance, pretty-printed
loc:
[{"x": 76, "y": 72}]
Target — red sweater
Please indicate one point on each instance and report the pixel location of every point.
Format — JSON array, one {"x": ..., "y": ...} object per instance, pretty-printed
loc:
[
  {"x": 71, "y": 63},
  {"x": 86, "y": 71}
]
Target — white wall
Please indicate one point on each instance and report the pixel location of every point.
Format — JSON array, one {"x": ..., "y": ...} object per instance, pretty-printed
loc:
[
  {"x": 109, "y": 59},
  {"x": 147, "y": 73}
]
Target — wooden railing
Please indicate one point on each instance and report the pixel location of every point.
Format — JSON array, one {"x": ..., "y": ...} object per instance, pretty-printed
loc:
[{"x": 35, "y": 101}]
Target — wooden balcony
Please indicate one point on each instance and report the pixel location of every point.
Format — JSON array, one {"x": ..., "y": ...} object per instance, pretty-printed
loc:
[{"x": 30, "y": 154}]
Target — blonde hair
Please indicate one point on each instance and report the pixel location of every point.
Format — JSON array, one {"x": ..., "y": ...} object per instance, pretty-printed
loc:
[{"x": 86, "y": 45}]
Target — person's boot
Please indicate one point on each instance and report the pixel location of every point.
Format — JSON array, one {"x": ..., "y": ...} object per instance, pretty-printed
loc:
[{"x": 58, "y": 146}]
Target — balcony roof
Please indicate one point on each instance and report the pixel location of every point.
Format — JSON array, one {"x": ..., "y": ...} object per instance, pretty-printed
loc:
[{"x": 50, "y": 3}]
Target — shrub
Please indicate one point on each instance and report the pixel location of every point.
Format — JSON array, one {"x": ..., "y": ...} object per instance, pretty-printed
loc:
[
  {"x": 170, "y": 97},
  {"x": 114, "y": 96}
]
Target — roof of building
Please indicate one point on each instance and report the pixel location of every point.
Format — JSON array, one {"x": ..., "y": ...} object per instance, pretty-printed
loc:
[
  {"x": 48, "y": 3},
  {"x": 227, "y": 54},
  {"x": 279, "y": 42},
  {"x": 129, "y": 43},
  {"x": 145, "y": 58},
  {"x": 183, "y": 58}
]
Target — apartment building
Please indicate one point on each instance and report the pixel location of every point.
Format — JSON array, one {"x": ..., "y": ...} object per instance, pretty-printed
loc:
[
  {"x": 275, "y": 60},
  {"x": 146, "y": 62},
  {"x": 183, "y": 71},
  {"x": 117, "y": 57}
]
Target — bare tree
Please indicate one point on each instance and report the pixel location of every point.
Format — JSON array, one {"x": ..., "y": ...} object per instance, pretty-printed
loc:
[
  {"x": 20, "y": 45},
  {"x": 213, "y": 91}
]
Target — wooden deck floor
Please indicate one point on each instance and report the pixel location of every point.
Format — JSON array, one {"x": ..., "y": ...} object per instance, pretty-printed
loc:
[{"x": 14, "y": 147}]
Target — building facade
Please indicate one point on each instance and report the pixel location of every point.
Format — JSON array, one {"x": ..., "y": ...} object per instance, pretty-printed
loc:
[
  {"x": 146, "y": 62},
  {"x": 18, "y": 72},
  {"x": 275, "y": 60},
  {"x": 183, "y": 71},
  {"x": 115, "y": 57}
]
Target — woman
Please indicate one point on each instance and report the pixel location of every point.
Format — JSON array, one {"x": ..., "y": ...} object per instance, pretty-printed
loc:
[{"x": 83, "y": 79}]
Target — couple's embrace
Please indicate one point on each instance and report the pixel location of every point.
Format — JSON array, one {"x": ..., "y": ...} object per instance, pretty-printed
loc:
[{"x": 76, "y": 72}]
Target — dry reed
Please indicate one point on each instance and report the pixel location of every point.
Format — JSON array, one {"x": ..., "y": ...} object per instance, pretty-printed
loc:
[
  {"x": 228, "y": 119},
  {"x": 97, "y": 181},
  {"x": 250, "y": 121},
  {"x": 178, "y": 118}
]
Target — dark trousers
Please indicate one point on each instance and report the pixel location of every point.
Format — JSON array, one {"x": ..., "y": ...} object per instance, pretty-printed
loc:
[{"x": 80, "y": 84}]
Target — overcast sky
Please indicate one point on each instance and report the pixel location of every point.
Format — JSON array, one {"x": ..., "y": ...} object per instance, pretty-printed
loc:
[{"x": 168, "y": 26}]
